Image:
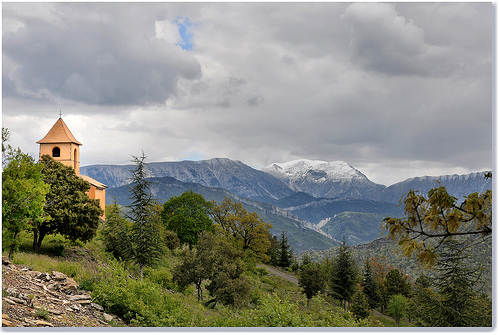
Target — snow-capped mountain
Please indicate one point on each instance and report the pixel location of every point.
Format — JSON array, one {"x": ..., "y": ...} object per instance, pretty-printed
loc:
[
  {"x": 231, "y": 175},
  {"x": 325, "y": 179}
]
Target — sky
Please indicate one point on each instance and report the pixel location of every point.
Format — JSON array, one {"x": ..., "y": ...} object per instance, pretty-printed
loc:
[{"x": 397, "y": 90}]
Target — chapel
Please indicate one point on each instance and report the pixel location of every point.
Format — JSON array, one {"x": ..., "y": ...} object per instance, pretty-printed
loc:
[{"x": 62, "y": 146}]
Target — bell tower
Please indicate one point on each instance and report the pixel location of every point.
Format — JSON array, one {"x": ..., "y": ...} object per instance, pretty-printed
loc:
[{"x": 61, "y": 145}]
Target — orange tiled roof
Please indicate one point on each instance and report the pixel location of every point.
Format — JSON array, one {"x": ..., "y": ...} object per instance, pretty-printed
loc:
[
  {"x": 93, "y": 182},
  {"x": 59, "y": 133}
]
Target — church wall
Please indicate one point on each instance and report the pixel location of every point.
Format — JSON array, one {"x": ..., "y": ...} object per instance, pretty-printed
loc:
[{"x": 67, "y": 154}]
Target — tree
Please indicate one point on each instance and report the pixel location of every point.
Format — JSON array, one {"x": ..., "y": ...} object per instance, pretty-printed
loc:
[
  {"x": 23, "y": 197},
  {"x": 72, "y": 213},
  {"x": 431, "y": 221},
  {"x": 116, "y": 232},
  {"x": 225, "y": 269},
  {"x": 191, "y": 270},
  {"x": 398, "y": 307},
  {"x": 311, "y": 280},
  {"x": 370, "y": 286},
  {"x": 187, "y": 215},
  {"x": 285, "y": 253},
  {"x": 459, "y": 304},
  {"x": 343, "y": 274},
  {"x": 360, "y": 307},
  {"x": 248, "y": 231},
  {"x": 145, "y": 235},
  {"x": 273, "y": 251},
  {"x": 397, "y": 283}
]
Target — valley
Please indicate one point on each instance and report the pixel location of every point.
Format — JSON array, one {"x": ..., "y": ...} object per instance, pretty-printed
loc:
[{"x": 315, "y": 203}]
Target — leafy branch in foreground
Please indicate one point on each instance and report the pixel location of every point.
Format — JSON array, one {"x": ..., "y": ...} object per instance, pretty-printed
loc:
[{"x": 431, "y": 221}]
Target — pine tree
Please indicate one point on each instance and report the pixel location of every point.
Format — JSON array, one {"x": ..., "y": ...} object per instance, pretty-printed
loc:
[
  {"x": 145, "y": 237},
  {"x": 343, "y": 274},
  {"x": 360, "y": 306},
  {"x": 285, "y": 253},
  {"x": 370, "y": 286},
  {"x": 456, "y": 284}
]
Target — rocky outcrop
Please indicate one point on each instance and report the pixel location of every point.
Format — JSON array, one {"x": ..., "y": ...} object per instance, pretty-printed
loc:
[{"x": 36, "y": 299}]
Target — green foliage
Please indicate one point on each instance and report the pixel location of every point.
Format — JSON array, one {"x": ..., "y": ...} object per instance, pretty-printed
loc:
[
  {"x": 171, "y": 239},
  {"x": 431, "y": 221},
  {"x": 72, "y": 213},
  {"x": 145, "y": 232},
  {"x": 42, "y": 313},
  {"x": 360, "y": 307},
  {"x": 23, "y": 197},
  {"x": 398, "y": 307},
  {"x": 397, "y": 283},
  {"x": 116, "y": 233},
  {"x": 191, "y": 270},
  {"x": 343, "y": 274},
  {"x": 225, "y": 268},
  {"x": 370, "y": 286},
  {"x": 311, "y": 280},
  {"x": 187, "y": 216},
  {"x": 247, "y": 230},
  {"x": 142, "y": 303},
  {"x": 460, "y": 303},
  {"x": 285, "y": 253}
]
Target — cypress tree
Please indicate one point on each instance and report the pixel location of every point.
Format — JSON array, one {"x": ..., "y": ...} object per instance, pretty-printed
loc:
[{"x": 145, "y": 235}]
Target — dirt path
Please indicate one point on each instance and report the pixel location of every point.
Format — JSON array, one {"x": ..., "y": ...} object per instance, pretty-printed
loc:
[{"x": 283, "y": 275}]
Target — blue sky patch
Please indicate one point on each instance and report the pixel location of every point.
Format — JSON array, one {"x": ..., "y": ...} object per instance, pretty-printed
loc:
[{"x": 187, "y": 36}]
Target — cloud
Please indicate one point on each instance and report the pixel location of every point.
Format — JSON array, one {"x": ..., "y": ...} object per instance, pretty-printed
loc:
[
  {"x": 376, "y": 85},
  {"x": 384, "y": 41},
  {"x": 92, "y": 58}
]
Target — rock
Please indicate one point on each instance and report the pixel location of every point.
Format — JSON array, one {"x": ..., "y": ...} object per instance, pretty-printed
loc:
[
  {"x": 7, "y": 300},
  {"x": 79, "y": 297},
  {"x": 34, "y": 274},
  {"x": 58, "y": 276},
  {"x": 97, "y": 306},
  {"x": 43, "y": 276},
  {"x": 19, "y": 301},
  {"x": 41, "y": 323},
  {"x": 107, "y": 317},
  {"x": 75, "y": 307},
  {"x": 5, "y": 261},
  {"x": 54, "y": 287},
  {"x": 7, "y": 323},
  {"x": 84, "y": 302},
  {"x": 70, "y": 285},
  {"x": 54, "y": 311}
]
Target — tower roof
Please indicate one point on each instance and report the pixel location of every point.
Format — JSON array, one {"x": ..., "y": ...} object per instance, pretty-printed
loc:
[{"x": 59, "y": 133}]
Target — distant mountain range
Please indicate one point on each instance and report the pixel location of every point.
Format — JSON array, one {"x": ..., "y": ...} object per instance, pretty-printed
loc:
[{"x": 317, "y": 203}]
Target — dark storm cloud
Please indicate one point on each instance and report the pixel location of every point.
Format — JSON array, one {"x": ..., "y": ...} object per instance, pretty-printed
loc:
[
  {"x": 384, "y": 41},
  {"x": 390, "y": 88},
  {"x": 92, "y": 58}
]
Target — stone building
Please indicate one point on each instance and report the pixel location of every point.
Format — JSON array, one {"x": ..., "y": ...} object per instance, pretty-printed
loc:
[{"x": 62, "y": 146}]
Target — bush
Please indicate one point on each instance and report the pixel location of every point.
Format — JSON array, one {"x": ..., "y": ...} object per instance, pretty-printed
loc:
[{"x": 142, "y": 303}]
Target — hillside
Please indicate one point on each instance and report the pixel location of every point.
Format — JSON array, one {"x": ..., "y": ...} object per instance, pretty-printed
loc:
[
  {"x": 302, "y": 234},
  {"x": 388, "y": 250},
  {"x": 35, "y": 299}
]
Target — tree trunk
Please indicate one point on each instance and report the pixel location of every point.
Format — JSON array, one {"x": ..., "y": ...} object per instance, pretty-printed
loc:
[
  {"x": 37, "y": 240},
  {"x": 12, "y": 247}
]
